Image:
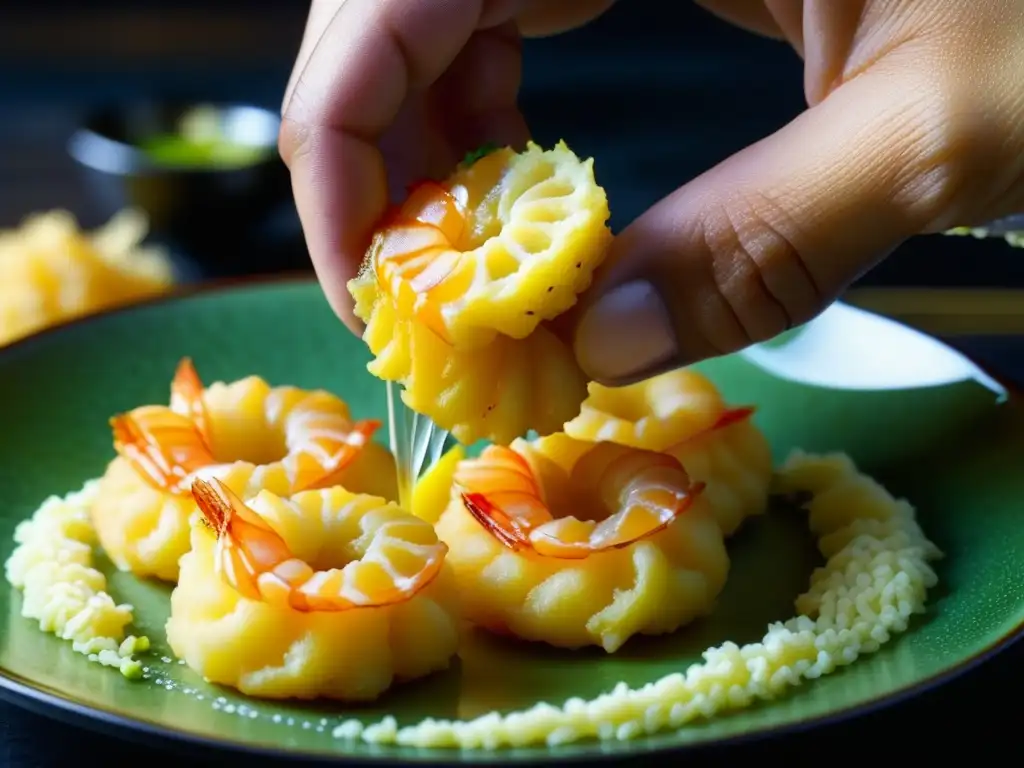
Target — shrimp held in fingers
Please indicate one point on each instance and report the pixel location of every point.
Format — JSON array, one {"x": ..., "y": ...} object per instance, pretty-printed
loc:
[
  {"x": 290, "y": 439},
  {"x": 577, "y": 544},
  {"x": 460, "y": 283},
  {"x": 325, "y": 594},
  {"x": 681, "y": 413}
]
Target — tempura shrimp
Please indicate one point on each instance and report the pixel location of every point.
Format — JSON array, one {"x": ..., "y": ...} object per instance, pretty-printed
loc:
[
  {"x": 324, "y": 594},
  {"x": 577, "y": 544},
  {"x": 681, "y": 413},
  {"x": 290, "y": 439},
  {"x": 647, "y": 490},
  {"x": 251, "y": 557},
  {"x": 167, "y": 445},
  {"x": 460, "y": 282}
]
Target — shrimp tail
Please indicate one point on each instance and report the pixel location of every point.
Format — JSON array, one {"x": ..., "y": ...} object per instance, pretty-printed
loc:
[
  {"x": 649, "y": 490},
  {"x": 256, "y": 561},
  {"x": 220, "y": 509},
  {"x": 187, "y": 396},
  {"x": 312, "y": 473},
  {"x": 146, "y": 455},
  {"x": 163, "y": 446},
  {"x": 131, "y": 442},
  {"x": 502, "y": 526},
  {"x": 546, "y": 545},
  {"x": 682, "y": 506},
  {"x": 214, "y": 504},
  {"x": 726, "y": 418},
  {"x": 361, "y": 434},
  {"x": 732, "y": 416}
]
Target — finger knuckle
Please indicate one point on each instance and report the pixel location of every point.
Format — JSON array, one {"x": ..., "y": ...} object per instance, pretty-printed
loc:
[
  {"x": 294, "y": 140},
  {"x": 755, "y": 267},
  {"x": 950, "y": 150}
]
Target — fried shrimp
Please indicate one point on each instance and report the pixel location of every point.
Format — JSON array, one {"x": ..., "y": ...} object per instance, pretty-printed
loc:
[
  {"x": 325, "y": 594},
  {"x": 576, "y": 544},
  {"x": 291, "y": 440},
  {"x": 257, "y": 562},
  {"x": 682, "y": 414},
  {"x": 647, "y": 490},
  {"x": 460, "y": 282}
]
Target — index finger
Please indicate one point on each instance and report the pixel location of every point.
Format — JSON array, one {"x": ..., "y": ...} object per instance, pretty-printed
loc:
[
  {"x": 321, "y": 12},
  {"x": 370, "y": 57}
]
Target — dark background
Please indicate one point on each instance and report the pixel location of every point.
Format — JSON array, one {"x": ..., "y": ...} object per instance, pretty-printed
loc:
[{"x": 656, "y": 91}]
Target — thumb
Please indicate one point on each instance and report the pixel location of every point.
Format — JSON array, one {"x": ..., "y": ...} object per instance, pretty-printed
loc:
[{"x": 771, "y": 236}]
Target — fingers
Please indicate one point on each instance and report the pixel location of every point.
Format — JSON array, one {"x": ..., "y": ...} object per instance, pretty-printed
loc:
[
  {"x": 751, "y": 16},
  {"x": 320, "y": 14},
  {"x": 541, "y": 18},
  {"x": 778, "y": 19},
  {"x": 765, "y": 240},
  {"x": 478, "y": 93},
  {"x": 369, "y": 58}
]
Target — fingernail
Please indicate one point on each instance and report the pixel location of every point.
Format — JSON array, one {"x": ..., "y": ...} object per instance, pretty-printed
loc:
[{"x": 626, "y": 334}]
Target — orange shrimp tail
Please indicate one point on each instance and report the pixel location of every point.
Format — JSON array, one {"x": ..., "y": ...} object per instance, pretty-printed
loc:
[
  {"x": 500, "y": 472},
  {"x": 552, "y": 548},
  {"x": 521, "y": 523},
  {"x": 684, "y": 505},
  {"x": 215, "y": 506},
  {"x": 154, "y": 462},
  {"x": 430, "y": 571},
  {"x": 229, "y": 508},
  {"x": 312, "y": 473},
  {"x": 220, "y": 509},
  {"x": 308, "y": 602},
  {"x": 732, "y": 416},
  {"x": 497, "y": 522},
  {"x": 728, "y": 418},
  {"x": 187, "y": 396}
]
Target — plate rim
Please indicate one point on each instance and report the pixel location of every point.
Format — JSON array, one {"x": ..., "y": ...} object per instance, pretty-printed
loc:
[{"x": 46, "y": 701}]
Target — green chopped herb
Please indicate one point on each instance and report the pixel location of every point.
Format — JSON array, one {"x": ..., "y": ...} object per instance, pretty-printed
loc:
[
  {"x": 131, "y": 668},
  {"x": 479, "y": 154}
]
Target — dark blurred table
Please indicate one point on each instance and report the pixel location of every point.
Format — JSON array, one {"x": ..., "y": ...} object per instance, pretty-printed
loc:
[{"x": 657, "y": 96}]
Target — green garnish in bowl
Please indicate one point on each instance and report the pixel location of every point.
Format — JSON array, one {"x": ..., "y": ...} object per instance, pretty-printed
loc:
[
  {"x": 174, "y": 150},
  {"x": 200, "y": 141}
]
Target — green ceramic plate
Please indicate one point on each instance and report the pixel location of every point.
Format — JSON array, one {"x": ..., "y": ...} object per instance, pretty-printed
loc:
[{"x": 58, "y": 389}]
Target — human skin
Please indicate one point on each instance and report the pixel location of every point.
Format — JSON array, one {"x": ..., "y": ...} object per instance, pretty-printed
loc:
[{"x": 915, "y": 123}]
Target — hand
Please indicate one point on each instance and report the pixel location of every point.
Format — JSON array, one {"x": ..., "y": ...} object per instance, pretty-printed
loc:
[
  {"x": 386, "y": 92},
  {"x": 916, "y": 124}
]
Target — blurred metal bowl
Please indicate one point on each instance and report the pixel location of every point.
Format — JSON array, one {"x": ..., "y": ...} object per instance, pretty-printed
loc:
[{"x": 214, "y": 213}]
